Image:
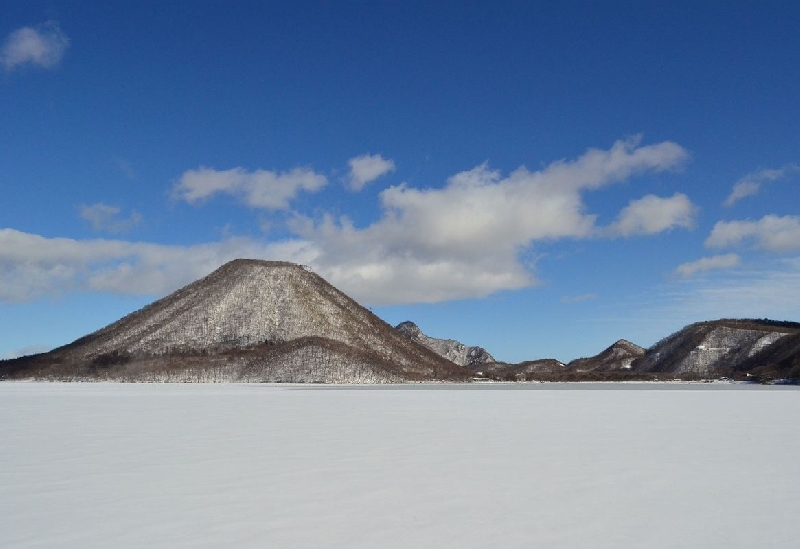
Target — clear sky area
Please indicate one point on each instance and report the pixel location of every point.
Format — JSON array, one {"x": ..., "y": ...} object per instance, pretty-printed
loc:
[{"x": 538, "y": 178}]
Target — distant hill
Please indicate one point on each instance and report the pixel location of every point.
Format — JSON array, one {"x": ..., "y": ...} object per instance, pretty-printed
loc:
[
  {"x": 616, "y": 358},
  {"x": 727, "y": 347},
  {"x": 619, "y": 356},
  {"x": 450, "y": 349},
  {"x": 756, "y": 350},
  {"x": 247, "y": 321},
  {"x": 528, "y": 370}
]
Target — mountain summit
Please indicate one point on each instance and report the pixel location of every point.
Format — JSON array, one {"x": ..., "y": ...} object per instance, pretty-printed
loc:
[{"x": 249, "y": 320}]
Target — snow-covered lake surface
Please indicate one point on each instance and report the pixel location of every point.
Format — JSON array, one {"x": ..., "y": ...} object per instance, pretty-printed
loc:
[{"x": 174, "y": 466}]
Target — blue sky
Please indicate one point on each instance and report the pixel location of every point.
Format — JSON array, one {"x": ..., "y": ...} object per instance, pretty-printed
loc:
[{"x": 539, "y": 179}]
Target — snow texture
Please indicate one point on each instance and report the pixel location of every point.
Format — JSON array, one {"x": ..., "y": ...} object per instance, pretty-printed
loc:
[{"x": 516, "y": 466}]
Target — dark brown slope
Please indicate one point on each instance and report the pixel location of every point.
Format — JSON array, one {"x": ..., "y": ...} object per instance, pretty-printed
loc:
[
  {"x": 781, "y": 360},
  {"x": 251, "y": 321}
]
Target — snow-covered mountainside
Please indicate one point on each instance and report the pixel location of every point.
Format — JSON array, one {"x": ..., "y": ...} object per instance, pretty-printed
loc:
[
  {"x": 619, "y": 356},
  {"x": 780, "y": 360},
  {"x": 248, "y": 320},
  {"x": 450, "y": 349},
  {"x": 714, "y": 348}
]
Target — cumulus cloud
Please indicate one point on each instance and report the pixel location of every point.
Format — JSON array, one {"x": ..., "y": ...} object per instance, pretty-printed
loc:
[
  {"x": 750, "y": 184},
  {"x": 367, "y": 168},
  {"x": 467, "y": 239},
  {"x": 259, "y": 189},
  {"x": 32, "y": 266},
  {"x": 464, "y": 240},
  {"x": 43, "y": 45},
  {"x": 771, "y": 233},
  {"x": 704, "y": 264},
  {"x": 652, "y": 214},
  {"x": 106, "y": 218}
]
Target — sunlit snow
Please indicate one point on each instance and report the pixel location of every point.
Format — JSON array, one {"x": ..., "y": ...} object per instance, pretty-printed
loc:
[{"x": 175, "y": 466}]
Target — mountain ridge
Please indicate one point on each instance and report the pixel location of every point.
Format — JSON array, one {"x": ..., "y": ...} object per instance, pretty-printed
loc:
[
  {"x": 450, "y": 349},
  {"x": 253, "y": 320}
]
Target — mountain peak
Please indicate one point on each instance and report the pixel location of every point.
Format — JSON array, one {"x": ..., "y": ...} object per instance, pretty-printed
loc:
[
  {"x": 264, "y": 310},
  {"x": 408, "y": 329},
  {"x": 450, "y": 349}
]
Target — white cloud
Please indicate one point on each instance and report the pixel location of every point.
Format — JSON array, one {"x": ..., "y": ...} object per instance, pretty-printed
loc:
[
  {"x": 367, "y": 168},
  {"x": 106, "y": 218},
  {"x": 771, "y": 233},
  {"x": 750, "y": 184},
  {"x": 259, "y": 189},
  {"x": 652, "y": 214},
  {"x": 704, "y": 264},
  {"x": 464, "y": 240},
  {"x": 43, "y": 45},
  {"x": 742, "y": 189},
  {"x": 32, "y": 266},
  {"x": 461, "y": 241}
]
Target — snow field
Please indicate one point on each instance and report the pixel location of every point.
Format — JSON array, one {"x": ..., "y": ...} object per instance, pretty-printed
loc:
[{"x": 174, "y": 466}]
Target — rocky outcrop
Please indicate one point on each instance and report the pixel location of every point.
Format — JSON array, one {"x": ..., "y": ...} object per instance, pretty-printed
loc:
[
  {"x": 450, "y": 349},
  {"x": 619, "y": 356},
  {"x": 248, "y": 320}
]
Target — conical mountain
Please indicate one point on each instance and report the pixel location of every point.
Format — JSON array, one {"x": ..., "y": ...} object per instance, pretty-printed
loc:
[{"x": 249, "y": 320}]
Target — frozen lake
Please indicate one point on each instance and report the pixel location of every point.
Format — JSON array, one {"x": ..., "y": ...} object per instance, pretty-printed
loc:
[{"x": 174, "y": 466}]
